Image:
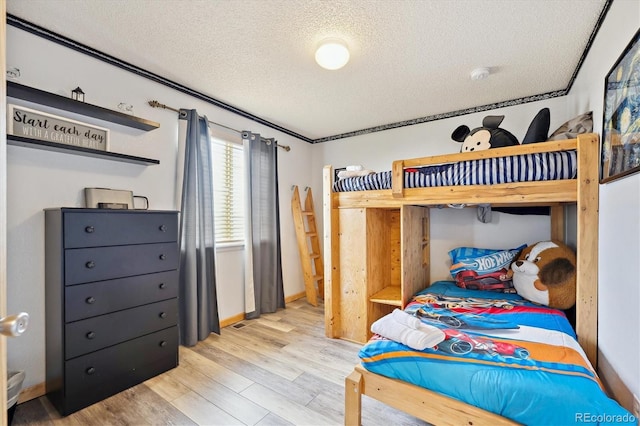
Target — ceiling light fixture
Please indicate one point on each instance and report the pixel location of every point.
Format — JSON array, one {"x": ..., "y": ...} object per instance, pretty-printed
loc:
[
  {"x": 332, "y": 54},
  {"x": 480, "y": 73}
]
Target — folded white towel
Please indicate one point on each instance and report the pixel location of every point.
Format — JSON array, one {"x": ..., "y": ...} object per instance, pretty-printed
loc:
[
  {"x": 407, "y": 319},
  {"x": 346, "y": 173},
  {"x": 412, "y": 322},
  {"x": 424, "y": 337},
  {"x": 355, "y": 168}
]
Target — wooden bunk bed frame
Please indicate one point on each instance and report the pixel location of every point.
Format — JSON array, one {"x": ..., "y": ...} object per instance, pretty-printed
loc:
[{"x": 358, "y": 227}]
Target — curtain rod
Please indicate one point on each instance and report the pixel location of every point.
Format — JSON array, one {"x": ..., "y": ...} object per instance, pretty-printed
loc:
[{"x": 156, "y": 104}]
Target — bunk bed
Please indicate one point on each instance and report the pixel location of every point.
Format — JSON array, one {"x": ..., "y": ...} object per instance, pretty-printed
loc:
[{"x": 376, "y": 251}]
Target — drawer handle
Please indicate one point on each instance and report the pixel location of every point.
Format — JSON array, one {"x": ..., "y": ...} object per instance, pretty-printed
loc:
[
  {"x": 162, "y": 228},
  {"x": 90, "y": 335},
  {"x": 163, "y": 256},
  {"x": 90, "y": 370},
  {"x": 90, "y": 300},
  {"x": 89, "y": 229},
  {"x": 163, "y": 315},
  {"x": 162, "y": 286},
  {"x": 90, "y": 264},
  {"x": 163, "y": 344}
]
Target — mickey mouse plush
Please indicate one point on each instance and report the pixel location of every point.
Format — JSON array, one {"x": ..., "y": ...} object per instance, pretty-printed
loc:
[
  {"x": 485, "y": 137},
  {"x": 491, "y": 136},
  {"x": 545, "y": 273}
]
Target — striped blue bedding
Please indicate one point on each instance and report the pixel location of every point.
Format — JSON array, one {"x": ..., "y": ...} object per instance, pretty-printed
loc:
[{"x": 517, "y": 168}]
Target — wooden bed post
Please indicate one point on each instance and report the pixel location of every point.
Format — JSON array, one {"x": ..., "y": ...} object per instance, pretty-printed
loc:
[
  {"x": 397, "y": 179},
  {"x": 558, "y": 223},
  {"x": 331, "y": 257},
  {"x": 587, "y": 245},
  {"x": 353, "y": 399}
]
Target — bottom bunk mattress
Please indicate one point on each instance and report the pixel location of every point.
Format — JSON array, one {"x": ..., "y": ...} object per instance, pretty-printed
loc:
[{"x": 502, "y": 354}]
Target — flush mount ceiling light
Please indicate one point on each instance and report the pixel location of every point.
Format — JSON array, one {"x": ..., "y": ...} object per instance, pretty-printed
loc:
[
  {"x": 480, "y": 73},
  {"x": 332, "y": 54}
]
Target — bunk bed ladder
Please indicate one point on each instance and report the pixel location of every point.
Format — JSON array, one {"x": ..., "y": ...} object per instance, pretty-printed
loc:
[{"x": 309, "y": 245}]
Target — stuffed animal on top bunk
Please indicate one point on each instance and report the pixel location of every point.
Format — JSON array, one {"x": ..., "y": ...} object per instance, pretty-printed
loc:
[
  {"x": 545, "y": 273},
  {"x": 490, "y": 135}
]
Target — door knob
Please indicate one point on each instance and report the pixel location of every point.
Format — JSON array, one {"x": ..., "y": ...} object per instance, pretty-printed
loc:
[{"x": 14, "y": 325}]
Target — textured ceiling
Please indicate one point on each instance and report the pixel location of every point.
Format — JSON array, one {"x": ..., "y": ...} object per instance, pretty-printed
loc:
[{"x": 410, "y": 60}]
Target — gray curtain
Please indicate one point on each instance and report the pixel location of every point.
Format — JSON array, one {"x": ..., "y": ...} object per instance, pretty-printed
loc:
[
  {"x": 264, "y": 291},
  {"x": 198, "y": 304}
]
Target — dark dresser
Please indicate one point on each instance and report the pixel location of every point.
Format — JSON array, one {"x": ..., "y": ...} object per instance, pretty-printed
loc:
[{"x": 111, "y": 301}]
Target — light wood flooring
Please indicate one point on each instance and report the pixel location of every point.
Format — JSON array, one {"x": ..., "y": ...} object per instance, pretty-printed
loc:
[{"x": 279, "y": 369}]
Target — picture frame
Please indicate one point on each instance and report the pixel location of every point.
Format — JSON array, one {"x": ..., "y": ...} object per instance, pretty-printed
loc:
[
  {"x": 42, "y": 126},
  {"x": 621, "y": 117}
]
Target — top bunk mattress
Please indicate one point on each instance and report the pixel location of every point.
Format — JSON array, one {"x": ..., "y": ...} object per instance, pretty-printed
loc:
[{"x": 516, "y": 168}]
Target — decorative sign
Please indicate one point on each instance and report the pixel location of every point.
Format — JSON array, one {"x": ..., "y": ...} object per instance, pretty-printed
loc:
[{"x": 41, "y": 126}]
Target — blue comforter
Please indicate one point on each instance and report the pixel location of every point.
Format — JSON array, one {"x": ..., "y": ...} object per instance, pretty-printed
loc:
[{"x": 502, "y": 354}]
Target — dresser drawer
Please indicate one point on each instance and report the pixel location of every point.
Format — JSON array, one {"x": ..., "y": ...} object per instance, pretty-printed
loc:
[
  {"x": 93, "y": 377},
  {"x": 89, "y": 335},
  {"x": 82, "y": 229},
  {"x": 89, "y": 300},
  {"x": 103, "y": 263}
]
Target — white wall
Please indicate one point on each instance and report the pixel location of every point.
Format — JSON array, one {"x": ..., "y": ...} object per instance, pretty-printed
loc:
[
  {"x": 619, "y": 229},
  {"x": 40, "y": 179}
]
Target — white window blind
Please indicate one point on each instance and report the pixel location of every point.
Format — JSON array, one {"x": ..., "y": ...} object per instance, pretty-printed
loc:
[{"x": 228, "y": 191}]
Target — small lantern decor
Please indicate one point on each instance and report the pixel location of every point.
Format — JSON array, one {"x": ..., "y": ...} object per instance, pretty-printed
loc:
[{"x": 77, "y": 94}]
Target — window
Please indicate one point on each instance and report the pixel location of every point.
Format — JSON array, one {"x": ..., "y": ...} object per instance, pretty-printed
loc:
[{"x": 228, "y": 191}]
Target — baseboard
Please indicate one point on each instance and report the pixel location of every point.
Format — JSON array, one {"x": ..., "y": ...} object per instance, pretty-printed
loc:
[
  {"x": 32, "y": 392},
  {"x": 231, "y": 320},
  {"x": 294, "y": 297},
  {"x": 239, "y": 317},
  {"x": 613, "y": 385}
]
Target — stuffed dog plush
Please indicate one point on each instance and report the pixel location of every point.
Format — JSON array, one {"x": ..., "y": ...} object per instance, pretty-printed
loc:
[{"x": 545, "y": 273}]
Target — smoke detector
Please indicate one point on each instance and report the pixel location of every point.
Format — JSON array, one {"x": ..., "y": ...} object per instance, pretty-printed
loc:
[{"x": 480, "y": 73}]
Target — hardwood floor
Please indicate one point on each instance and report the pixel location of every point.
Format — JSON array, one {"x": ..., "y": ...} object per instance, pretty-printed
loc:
[{"x": 279, "y": 369}]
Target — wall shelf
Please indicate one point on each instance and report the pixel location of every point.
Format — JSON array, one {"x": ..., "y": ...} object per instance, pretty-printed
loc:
[
  {"x": 77, "y": 150},
  {"x": 16, "y": 90}
]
